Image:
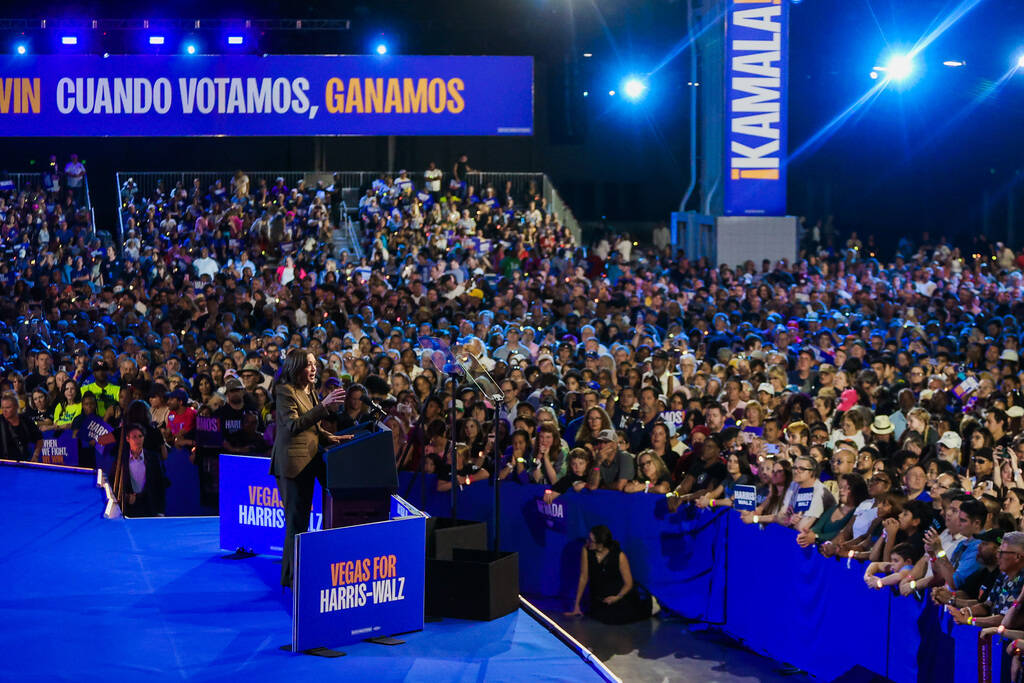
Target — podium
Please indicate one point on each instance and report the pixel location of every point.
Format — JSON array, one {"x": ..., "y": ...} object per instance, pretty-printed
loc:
[
  {"x": 361, "y": 476},
  {"x": 363, "y": 575}
]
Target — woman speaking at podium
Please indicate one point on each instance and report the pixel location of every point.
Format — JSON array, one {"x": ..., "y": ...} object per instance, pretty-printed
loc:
[{"x": 296, "y": 460}]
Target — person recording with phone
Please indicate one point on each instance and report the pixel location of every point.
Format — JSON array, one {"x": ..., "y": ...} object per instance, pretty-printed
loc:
[{"x": 296, "y": 459}]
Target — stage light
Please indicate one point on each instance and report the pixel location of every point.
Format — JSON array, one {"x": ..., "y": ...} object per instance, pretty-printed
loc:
[
  {"x": 586, "y": 93},
  {"x": 156, "y": 40},
  {"x": 1020, "y": 62},
  {"x": 900, "y": 67},
  {"x": 235, "y": 40},
  {"x": 69, "y": 40},
  {"x": 634, "y": 88},
  {"x": 611, "y": 93},
  {"x": 588, "y": 54},
  {"x": 874, "y": 75},
  {"x": 382, "y": 49},
  {"x": 21, "y": 49},
  {"x": 954, "y": 63},
  {"x": 190, "y": 48}
]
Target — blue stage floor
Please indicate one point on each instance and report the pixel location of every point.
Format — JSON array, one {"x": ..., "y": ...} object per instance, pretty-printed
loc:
[{"x": 86, "y": 598}]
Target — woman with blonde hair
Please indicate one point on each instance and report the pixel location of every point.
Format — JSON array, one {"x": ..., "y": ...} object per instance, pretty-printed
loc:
[{"x": 651, "y": 475}]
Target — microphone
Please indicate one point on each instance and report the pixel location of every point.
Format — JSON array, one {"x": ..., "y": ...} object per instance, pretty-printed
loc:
[{"x": 375, "y": 407}]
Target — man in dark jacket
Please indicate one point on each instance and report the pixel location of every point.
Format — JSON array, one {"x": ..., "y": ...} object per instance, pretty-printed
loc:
[{"x": 144, "y": 482}]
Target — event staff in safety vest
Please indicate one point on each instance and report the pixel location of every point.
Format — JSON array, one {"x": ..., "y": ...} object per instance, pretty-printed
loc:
[{"x": 106, "y": 392}]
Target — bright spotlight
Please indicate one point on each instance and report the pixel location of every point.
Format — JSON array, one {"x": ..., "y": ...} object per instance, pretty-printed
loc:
[
  {"x": 954, "y": 63},
  {"x": 235, "y": 40},
  {"x": 382, "y": 49},
  {"x": 900, "y": 67},
  {"x": 1020, "y": 62},
  {"x": 69, "y": 40},
  {"x": 21, "y": 49},
  {"x": 156, "y": 40},
  {"x": 611, "y": 93},
  {"x": 190, "y": 48},
  {"x": 873, "y": 74},
  {"x": 634, "y": 88}
]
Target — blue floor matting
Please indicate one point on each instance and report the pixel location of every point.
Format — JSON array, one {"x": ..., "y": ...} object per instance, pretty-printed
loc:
[{"x": 86, "y": 598}]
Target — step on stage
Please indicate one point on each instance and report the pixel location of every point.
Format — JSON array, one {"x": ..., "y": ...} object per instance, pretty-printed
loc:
[{"x": 87, "y": 599}]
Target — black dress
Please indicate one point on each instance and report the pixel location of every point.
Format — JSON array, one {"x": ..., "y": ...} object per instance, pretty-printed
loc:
[{"x": 605, "y": 579}]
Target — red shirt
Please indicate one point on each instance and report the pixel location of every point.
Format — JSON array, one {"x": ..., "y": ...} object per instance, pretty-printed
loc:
[{"x": 184, "y": 421}]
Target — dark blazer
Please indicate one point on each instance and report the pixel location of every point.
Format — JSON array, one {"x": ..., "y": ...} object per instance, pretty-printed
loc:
[
  {"x": 299, "y": 435},
  {"x": 152, "y": 500}
]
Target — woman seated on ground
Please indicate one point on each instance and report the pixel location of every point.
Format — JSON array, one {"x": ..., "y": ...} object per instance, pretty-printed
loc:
[
  {"x": 739, "y": 475},
  {"x": 605, "y": 568},
  {"x": 575, "y": 478},
  {"x": 651, "y": 475},
  {"x": 901, "y": 562},
  {"x": 852, "y": 492}
]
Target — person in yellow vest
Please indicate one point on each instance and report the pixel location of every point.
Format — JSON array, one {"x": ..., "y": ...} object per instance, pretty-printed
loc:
[
  {"x": 69, "y": 405},
  {"x": 107, "y": 393}
]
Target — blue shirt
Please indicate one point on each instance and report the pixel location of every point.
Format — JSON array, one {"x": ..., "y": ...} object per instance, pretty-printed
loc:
[{"x": 965, "y": 560}]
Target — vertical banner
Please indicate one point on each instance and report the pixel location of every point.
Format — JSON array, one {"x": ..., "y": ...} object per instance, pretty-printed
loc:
[
  {"x": 756, "y": 83},
  {"x": 251, "y": 509},
  {"x": 358, "y": 582}
]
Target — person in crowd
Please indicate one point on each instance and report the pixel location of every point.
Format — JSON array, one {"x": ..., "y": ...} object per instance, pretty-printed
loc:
[
  {"x": 852, "y": 492},
  {"x": 604, "y": 569},
  {"x": 651, "y": 475},
  {"x": 614, "y": 467},
  {"x": 20, "y": 438},
  {"x": 738, "y": 469},
  {"x": 580, "y": 462},
  {"x": 1003, "y": 593},
  {"x": 901, "y": 563},
  {"x": 144, "y": 478}
]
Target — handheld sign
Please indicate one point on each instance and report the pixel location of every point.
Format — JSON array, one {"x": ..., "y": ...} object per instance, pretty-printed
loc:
[
  {"x": 208, "y": 432},
  {"x": 744, "y": 497},
  {"x": 802, "y": 501},
  {"x": 673, "y": 417}
]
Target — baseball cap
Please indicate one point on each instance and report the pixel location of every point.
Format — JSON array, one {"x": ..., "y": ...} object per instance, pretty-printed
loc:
[
  {"x": 606, "y": 435},
  {"x": 847, "y": 400},
  {"x": 951, "y": 440},
  {"x": 990, "y": 536},
  {"x": 1009, "y": 355},
  {"x": 766, "y": 388},
  {"x": 232, "y": 384}
]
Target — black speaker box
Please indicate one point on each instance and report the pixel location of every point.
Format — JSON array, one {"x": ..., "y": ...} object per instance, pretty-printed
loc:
[
  {"x": 474, "y": 584},
  {"x": 444, "y": 534}
]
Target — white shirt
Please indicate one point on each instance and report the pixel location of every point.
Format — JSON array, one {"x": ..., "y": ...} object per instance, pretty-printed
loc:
[
  {"x": 206, "y": 266},
  {"x": 137, "y": 468},
  {"x": 863, "y": 516},
  {"x": 433, "y": 178}
]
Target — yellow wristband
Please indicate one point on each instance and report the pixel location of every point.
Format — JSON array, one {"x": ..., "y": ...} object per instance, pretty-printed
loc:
[
  {"x": 756, "y": 519},
  {"x": 939, "y": 555}
]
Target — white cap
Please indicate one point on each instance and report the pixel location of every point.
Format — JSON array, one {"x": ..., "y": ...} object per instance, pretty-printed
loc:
[
  {"x": 951, "y": 440},
  {"x": 767, "y": 388}
]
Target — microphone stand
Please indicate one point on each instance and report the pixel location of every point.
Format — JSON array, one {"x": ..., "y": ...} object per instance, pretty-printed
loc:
[
  {"x": 451, "y": 446},
  {"x": 497, "y": 400}
]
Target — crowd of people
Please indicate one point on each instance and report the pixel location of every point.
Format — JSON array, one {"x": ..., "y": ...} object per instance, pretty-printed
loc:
[{"x": 874, "y": 405}]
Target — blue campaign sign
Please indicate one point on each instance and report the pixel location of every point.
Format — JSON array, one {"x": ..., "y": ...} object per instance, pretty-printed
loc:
[
  {"x": 251, "y": 509},
  {"x": 179, "y": 95},
  {"x": 756, "y": 85},
  {"x": 59, "y": 448},
  {"x": 358, "y": 582},
  {"x": 802, "y": 500},
  {"x": 744, "y": 497}
]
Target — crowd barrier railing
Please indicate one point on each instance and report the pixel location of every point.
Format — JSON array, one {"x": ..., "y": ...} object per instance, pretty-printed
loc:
[{"x": 756, "y": 584}]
